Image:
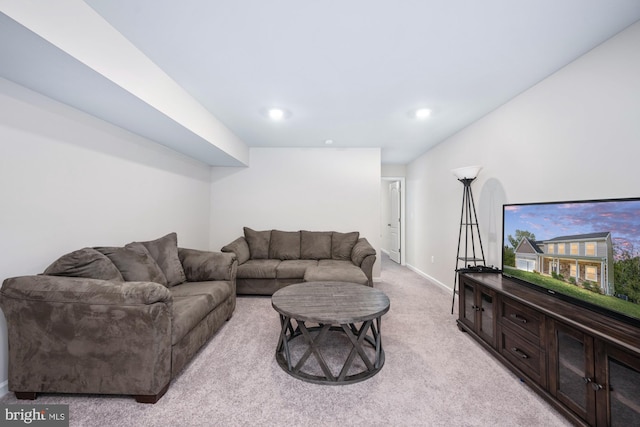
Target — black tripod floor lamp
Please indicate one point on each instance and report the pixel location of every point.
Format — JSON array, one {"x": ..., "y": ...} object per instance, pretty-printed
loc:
[{"x": 470, "y": 253}]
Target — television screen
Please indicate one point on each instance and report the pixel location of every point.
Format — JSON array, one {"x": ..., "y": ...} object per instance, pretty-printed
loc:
[{"x": 587, "y": 252}]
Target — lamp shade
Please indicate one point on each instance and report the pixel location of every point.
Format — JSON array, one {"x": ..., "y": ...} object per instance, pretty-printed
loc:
[{"x": 467, "y": 172}]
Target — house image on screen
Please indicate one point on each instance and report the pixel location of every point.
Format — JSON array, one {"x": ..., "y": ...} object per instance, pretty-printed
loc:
[{"x": 585, "y": 257}]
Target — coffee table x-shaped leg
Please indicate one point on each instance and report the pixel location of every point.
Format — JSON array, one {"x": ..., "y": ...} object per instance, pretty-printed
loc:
[{"x": 368, "y": 333}]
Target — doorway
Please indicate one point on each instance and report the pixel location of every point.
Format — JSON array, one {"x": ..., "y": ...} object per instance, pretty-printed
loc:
[{"x": 392, "y": 227}]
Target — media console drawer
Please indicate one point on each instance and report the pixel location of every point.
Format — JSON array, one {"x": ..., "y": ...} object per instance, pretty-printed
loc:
[
  {"x": 529, "y": 358},
  {"x": 525, "y": 320}
]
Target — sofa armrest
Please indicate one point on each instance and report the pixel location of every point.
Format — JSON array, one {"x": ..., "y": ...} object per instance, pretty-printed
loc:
[
  {"x": 364, "y": 256},
  {"x": 59, "y": 289},
  {"x": 367, "y": 267},
  {"x": 200, "y": 266},
  {"x": 78, "y": 335},
  {"x": 240, "y": 248},
  {"x": 361, "y": 250}
]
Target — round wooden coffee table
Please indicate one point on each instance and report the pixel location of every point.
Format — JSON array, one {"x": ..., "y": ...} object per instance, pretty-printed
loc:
[{"x": 310, "y": 312}]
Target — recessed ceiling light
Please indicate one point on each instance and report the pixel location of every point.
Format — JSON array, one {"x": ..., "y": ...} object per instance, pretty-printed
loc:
[
  {"x": 422, "y": 113},
  {"x": 328, "y": 141},
  {"x": 276, "y": 113}
]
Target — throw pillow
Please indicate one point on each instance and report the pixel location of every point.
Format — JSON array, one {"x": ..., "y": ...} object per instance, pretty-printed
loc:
[
  {"x": 85, "y": 262},
  {"x": 284, "y": 245},
  {"x": 135, "y": 263},
  {"x": 165, "y": 252},
  {"x": 342, "y": 244},
  {"x": 258, "y": 242},
  {"x": 315, "y": 244}
]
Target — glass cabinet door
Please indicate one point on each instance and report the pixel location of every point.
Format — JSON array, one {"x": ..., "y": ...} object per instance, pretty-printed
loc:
[
  {"x": 477, "y": 310},
  {"x": 619, "y": 402},
  {"x": 572, "y": 371},
  {"x": 469, "y": 304},
  {"x": 486, "y": 315}
]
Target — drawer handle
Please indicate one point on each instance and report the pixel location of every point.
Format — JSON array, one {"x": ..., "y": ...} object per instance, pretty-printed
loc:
[
  {"x": 477, "y": 308},
  {"x": 518, "y": 318},
  {"x": 519, "y": 352}
]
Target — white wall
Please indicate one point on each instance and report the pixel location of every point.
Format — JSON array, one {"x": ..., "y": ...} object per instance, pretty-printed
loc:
[
  {"x": 68, "y": 180},
  {"x": 575, "y": 135},
  {"x": 299, "y": 189},
  {"x": 393, "y": 170}
]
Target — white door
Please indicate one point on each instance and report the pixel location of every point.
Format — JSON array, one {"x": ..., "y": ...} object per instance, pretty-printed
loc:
[{"x": 394, "y": 222}]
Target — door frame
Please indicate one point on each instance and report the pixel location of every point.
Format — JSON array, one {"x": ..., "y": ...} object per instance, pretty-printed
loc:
[{"x": 403, "y": 227}]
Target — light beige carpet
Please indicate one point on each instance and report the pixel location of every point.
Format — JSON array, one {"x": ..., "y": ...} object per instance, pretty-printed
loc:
[{"x": 434, "y": 375}]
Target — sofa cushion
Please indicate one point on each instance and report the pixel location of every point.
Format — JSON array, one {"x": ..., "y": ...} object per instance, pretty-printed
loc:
[
  {"x": 284, "y": 245},
  {"x": 85, "y": 262},
  {"x": 315, "y": 244},
  {"x": 342, "y": 244},
  {"x": 258, "y": 269},
  {"x": 258, "y": 242},
  {"x": 240, "y": 248},
  {"x": 165, "y": 252},
  {"x": 294, "y": 269},
  {"x": 335, "y": 271},
  {"x": 216, "y": 293},
  {"x": 187, "y": 312},
  {"x": 217, "y": 290},
  {"x": 258, "y": 286},
  {"x": 135, "y": 263},
  {"x": 203, "y": 266}
]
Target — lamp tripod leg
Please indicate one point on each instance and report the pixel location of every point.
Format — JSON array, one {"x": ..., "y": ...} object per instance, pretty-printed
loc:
[{"x": 453, "y": 298}]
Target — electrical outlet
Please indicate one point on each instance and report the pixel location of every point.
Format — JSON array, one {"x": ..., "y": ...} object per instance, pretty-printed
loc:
[{"x": 433, "y": 259}]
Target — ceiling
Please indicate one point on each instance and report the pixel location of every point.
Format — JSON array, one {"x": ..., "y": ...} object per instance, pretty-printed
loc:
[{"x": 349, "y": 71}]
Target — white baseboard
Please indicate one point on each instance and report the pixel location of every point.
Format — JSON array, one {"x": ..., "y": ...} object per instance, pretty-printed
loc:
[{"x": 426, "y": 276}]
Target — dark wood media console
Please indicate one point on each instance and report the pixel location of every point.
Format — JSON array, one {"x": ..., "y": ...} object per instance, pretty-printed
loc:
[{"x": 585, "y": 364}]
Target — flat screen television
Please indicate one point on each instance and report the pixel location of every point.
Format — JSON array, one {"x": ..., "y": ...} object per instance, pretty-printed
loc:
[{"x": 586, "y": 252}]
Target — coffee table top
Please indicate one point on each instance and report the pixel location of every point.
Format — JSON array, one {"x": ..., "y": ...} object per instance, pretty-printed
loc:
[{"x": 330, "y": 302}]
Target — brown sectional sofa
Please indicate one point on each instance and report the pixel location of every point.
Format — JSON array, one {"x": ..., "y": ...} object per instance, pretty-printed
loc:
[
  {"x": 111, "y": 320},
  {"x": 272, "y": 259}
]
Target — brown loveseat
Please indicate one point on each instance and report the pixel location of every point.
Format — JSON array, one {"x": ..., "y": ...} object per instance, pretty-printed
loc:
[
  {"x": 272, "y": 259},
  {"x": 110, "y": 320}
]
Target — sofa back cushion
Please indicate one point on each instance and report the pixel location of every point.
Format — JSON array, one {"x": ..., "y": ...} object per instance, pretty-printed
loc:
[
  {"x": 342, "y": 244},
  {"x": 258, "y": 242},
  {"x": 165, "y": 253},
  {"x": 284, "y": 245},
  {"x": 315, "y": 244},
  {"x": 85, "y": 262},
  {"x": 135, "y": 263}
]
